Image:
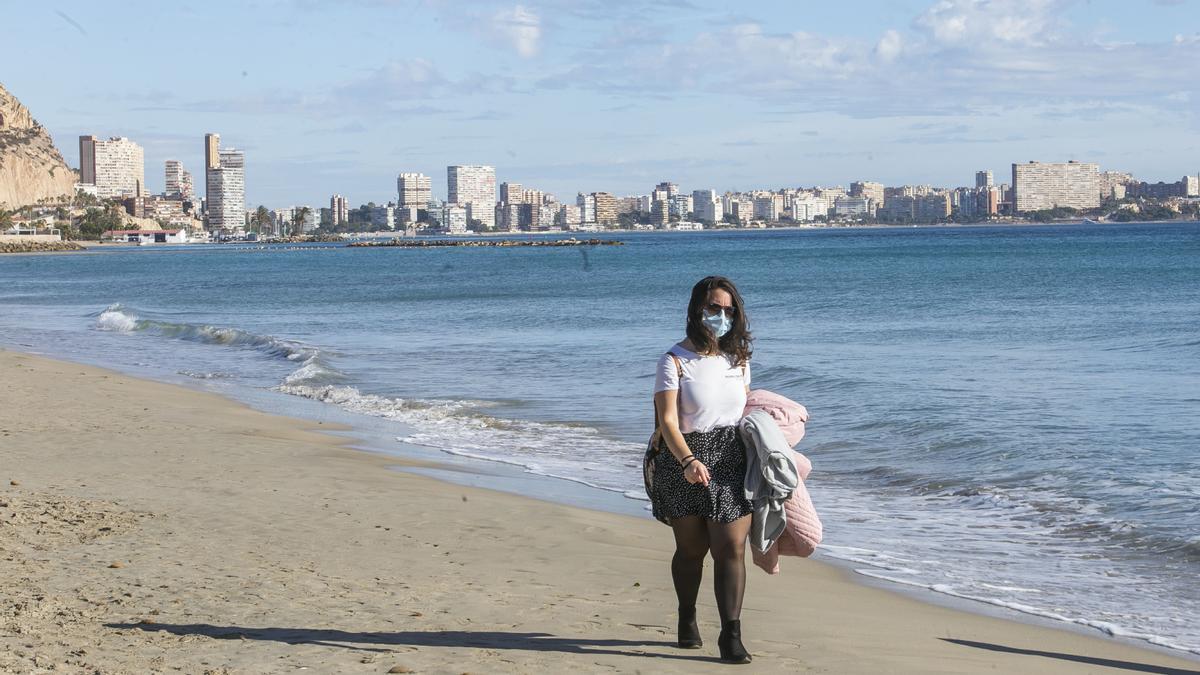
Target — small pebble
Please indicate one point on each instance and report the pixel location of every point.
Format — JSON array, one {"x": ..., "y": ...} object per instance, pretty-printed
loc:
[
  {"x": 117, "y": 565},
  {"x": 399, "y": 669},
  {"x": 14, "y": 482}
]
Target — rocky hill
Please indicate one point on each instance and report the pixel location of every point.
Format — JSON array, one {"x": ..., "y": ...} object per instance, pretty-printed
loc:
[{"x": 31, "y": 168}]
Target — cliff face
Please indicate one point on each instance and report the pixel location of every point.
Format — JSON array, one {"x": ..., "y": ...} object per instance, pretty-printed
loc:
[{"x": 31, "y": 168}]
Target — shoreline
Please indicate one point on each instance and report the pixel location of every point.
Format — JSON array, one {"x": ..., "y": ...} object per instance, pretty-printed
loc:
[{"x": 189, "y": 517}]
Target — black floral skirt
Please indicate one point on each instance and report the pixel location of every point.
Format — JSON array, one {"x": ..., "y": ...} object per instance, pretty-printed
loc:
[{"x": 723, "y": 499}]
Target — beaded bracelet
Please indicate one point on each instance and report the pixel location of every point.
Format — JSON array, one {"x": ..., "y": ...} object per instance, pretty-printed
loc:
[{"x": 688, "y": 461}]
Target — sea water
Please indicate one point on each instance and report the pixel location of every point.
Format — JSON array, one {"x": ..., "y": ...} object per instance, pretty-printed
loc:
[{"x": 1006, "y": 414}]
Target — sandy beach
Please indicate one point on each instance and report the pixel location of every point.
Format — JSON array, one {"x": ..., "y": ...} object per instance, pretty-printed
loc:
[{"x": 146, "y": 527}]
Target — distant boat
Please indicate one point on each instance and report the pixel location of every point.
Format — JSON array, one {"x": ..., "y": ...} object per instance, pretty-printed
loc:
[{"x": 1089, "y": 221}]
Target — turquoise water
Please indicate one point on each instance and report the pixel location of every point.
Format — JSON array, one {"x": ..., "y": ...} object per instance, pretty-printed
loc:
[{"x": 1009, "y": 414}]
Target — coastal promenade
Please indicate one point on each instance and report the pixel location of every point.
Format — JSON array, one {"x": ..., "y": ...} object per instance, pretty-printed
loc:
[{"x": 151, "y": 528}]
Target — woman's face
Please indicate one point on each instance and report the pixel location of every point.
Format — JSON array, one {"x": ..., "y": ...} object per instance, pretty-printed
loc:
[{"x": 719, "y": 300}]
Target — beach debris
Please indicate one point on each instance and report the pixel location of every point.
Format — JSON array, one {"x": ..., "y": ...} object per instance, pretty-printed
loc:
[
  {"x": 14, "y": 482},
  {"x": 636, "y": 584},
  {"x": 464, "y": 498},
  {"x": 116, "y": 565},
  {"x": 399, "y": 669}
]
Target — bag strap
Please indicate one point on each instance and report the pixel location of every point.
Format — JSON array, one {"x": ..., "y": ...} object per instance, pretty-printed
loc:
[{"x": 679, "y": 373}]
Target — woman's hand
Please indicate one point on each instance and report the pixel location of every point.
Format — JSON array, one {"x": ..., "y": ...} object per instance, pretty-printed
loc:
[{"x": 696, "y": 473}]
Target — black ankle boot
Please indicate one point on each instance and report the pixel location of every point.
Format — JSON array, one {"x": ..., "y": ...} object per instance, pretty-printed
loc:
[
  {"x": 689, "y": 632},
  {"x": 730, "y": 643}
]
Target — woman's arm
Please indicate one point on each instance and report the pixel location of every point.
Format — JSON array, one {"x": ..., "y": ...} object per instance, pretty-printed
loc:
[{"x": 668, "y": 423}]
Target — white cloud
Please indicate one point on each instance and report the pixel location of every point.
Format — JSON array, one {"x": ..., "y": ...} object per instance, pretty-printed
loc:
[
  {"x": 959, "y": 22},
  {"x": 889, "y": 46},
  {"x": 519, "y": 28}
]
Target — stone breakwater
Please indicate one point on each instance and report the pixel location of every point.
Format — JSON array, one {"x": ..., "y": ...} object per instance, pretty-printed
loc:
[
  {"x": 499, "y": 243},
  {"x": 39, "y": 246}
]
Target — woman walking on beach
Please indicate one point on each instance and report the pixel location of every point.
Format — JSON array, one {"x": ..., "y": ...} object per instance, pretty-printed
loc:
[{"x": 699, "y": 472}]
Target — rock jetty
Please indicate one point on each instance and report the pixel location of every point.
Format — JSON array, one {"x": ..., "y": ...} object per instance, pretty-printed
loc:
[
  {"x": 39, "y": 246},
  {"x": 483, "y": 243}
]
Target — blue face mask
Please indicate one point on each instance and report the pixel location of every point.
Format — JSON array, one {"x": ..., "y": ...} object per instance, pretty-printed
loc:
[{"x": 718, "y": 323}]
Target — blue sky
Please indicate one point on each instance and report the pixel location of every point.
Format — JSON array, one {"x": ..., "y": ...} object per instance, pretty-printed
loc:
[{"x": 617, "y": 95}]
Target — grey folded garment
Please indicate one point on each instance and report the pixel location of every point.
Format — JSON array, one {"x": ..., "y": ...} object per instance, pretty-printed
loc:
[{"x": 771, "y": 477}]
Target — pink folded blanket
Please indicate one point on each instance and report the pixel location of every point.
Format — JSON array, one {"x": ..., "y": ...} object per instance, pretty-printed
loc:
[
  {"x": 803, "y": 532},
  {"x": 788, "y": 415}
]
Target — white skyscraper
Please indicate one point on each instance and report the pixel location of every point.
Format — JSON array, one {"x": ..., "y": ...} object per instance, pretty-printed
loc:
[
  {"x": 475, "y": 188},
  {"x": 415, "y": 190},
  {"x": 706, "y": 206},
  {"x": 227, "y": 191},
  {"x": 179, "y": 181},
  {"x": 116, "y": 167}
]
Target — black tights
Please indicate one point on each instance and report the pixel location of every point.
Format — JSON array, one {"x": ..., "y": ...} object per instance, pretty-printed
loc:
[{"x": 695, "y": 537}]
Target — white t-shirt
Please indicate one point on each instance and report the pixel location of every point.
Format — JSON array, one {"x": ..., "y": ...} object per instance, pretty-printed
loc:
[{"x": 712, "y": 392}]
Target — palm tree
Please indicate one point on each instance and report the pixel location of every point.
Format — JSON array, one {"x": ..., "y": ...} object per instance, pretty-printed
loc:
[
  {"x": 299, "y": 216},
  {"x": 260, "y": 218}
]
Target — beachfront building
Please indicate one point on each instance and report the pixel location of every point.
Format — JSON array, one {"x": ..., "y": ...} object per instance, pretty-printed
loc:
[
  {"x": 932, "y": 208},
  {"x": 339, "y": 210},
  {"x": 852, "y": 207},
  {"x": 178, "y": 181},
  {"x": 569, "y": 216},
  {"x": 1038, "y": 185},
  {"x": 768, "y": 206},
  {"x": 706, "y": 206},
  {"x": 474, "y": 188},
  {"x": 868, "y": 189},
  {"x": 114, "y": 168},
  {"x": 606, "y": 208},
  {"x": 512, "y": 193},
  {"x": 983, "y": 179},
  {"x": 415, "y": 191},
  {"x": 454, "y": 218},
  {"x": 147, "y": 236},
  {"x": 807, "y": 206},
  {"x": 587, "y": 207},
  {"x": 227, "y": 191}
]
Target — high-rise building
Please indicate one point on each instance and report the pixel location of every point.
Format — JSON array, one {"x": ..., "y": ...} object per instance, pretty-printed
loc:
[
  {"x": 670, "y": 189},
  {"x": 1038, "y": 185},
  {"x": 587, "y": 207},
  {"x": 983, "y": 179},
  {"x": 606, "y": 208},
  {"x": 116, "y": 167},
  {"x": 768, "y": 207},
  {"x": 806, "y": 208},
  {"x": 681, "y": 205},
  {"x": 706, "y": 207},
  {"x": 454, "y": 218},
  {"x": 415, "y": 190},
  {"x": 87, "y": 160},
  {"x": 853, "y": 207},
  {"x": 932, "y": 208},
  {"x": 339, "y": 211},
  {"x": 474, "y": 187},
  {"x": 1113, "y": 184},
  {"x": 1191, "y": 186},
  {"x": 868, "y": 189},
  {"x": 212, "y": 162},
  {"x": 179, "y": 181},
  {"x": 512, "y": 193},
  {"x": 226, "y": 188}
]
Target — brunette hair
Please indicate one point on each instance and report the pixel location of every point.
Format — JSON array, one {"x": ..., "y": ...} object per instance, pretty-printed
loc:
[{"x": 735, "y": 343}]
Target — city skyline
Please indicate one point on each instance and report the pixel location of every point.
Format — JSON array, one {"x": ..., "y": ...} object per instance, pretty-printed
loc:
[{"x": 584, "y": 97}]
